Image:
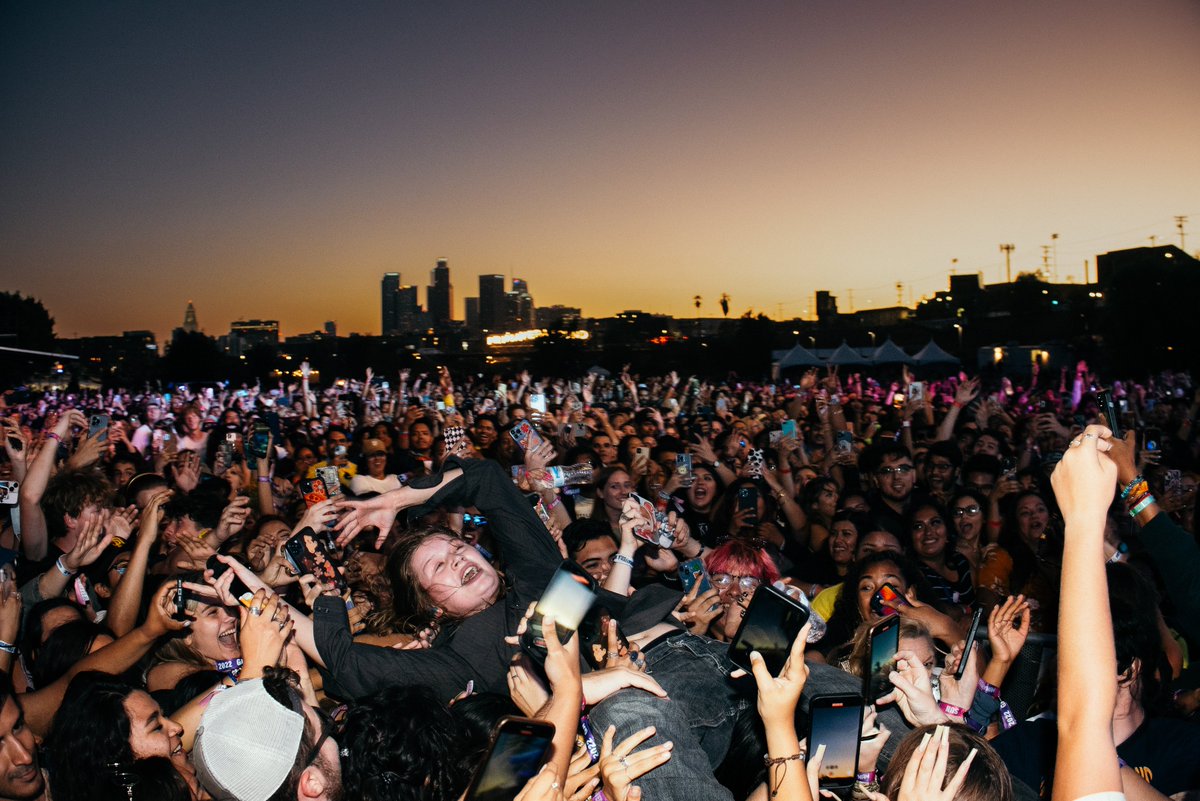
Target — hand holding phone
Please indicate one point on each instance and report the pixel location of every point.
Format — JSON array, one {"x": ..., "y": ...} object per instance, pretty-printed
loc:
[
  {"x": 835, "y": 721},
  {"x": 567, "y": 598},
  {"x": 771, "y": 624},
  {"x": 883, "y": 643}
]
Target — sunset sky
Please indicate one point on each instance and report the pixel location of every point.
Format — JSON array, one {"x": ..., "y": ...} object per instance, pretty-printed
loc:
[{"x": 273, "y": 159}]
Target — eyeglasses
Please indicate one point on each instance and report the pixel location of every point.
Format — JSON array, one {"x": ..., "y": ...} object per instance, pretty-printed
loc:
[
  {"x": 745, "y": 583},
  {"x": 972, "y": 510},
  {"x": 933, "y": 522},
  {"x": 899, "y": 470},
  {"x": 474, "y": 520},
  {"x": 331, "y": 726}
]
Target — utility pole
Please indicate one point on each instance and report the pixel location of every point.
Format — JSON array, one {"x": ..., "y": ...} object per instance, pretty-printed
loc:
[
  {"x": 1153, "y": 241},
  {"x": 1180, "y": 219},
  {"x": 899, "y": 294},
  {"x": 1007, "y": 250},
  {"x": 1085, "y": 272},
  {"x": 1054, "y": 245},
  {"x": 1046, "y": 261}
]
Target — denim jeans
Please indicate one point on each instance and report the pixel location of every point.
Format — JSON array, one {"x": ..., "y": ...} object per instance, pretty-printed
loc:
[
  {"x": 696, "y": 717},
  {"x": 699, "y": 714}
]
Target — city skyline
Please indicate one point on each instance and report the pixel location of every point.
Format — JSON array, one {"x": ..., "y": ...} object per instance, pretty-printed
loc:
[{"x": 618, "y": 156}]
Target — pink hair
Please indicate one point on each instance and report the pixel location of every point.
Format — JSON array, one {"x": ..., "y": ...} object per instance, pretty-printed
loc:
[{"x": 738, "y": 558}]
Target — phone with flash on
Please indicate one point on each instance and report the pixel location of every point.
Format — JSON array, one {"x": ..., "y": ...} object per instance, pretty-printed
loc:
[
  {"x": 568, "y": 597},
  {"x": 516, "y": 753}
]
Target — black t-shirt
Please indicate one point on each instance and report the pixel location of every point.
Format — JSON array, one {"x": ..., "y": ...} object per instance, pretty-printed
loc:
[{"x": 1164, "y": 751}]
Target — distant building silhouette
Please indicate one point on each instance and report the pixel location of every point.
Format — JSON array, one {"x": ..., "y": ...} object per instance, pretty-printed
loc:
[
  {"x": 389, "y": 292},
  {"x": 440, "y": 295},
  {"x": 493, "y": 305},
  {"x": 189, "y": 319},
  {"x": 520, "y": 309}
]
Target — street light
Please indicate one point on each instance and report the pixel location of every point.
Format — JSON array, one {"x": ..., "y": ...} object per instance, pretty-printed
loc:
[
  {"x": 871, "y": 334},
  {"x": 959, "y": 329},
  {"x": 812, "y": 342}
]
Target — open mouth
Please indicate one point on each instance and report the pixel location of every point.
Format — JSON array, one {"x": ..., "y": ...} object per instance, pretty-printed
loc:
[
  {"x": 470, "y": 574},
  {"x": 228, "y": 638},
  {"x": 177, "y": 750}
]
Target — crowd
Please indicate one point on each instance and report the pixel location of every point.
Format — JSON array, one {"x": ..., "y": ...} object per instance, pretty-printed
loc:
[{"x": 307, "y": 592}]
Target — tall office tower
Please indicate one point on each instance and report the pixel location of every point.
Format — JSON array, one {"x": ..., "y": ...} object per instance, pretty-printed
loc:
[
  {"x": 520, "y": 306},
  {"x": 388, "y": 291},
  {"x": 493, "y": 305},
  {"x": 408, "y": 312},
  {"x": 440, "y": 295},
  {"x": 471, "y": 313},
  {"x": 189, "y": 319}
]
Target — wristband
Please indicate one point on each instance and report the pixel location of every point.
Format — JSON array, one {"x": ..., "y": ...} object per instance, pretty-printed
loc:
[
  {"x": 958, "y": 405},
  {"x": 1135, "y": 511},
  {"x": 53, "y": 436},
  {"x": 907, "y": 424},
  {"x": 866, "y": 778},
  {"x": 1007, "y": 718},
  {"x": 8, "y": 648},
  {"x": 996, "y": 523},
  {"x": 62, "y": 568},
  {"x": 716, "y": 464},
  {"x": 622, "y": 559},
  {"x": 784, "y": 471},
  {"x": 1137, "y": 498},
  {"x": 1129, "y": 488},
  {"x": 264, "y": 479},
  {"x": 951, "y": 710}
]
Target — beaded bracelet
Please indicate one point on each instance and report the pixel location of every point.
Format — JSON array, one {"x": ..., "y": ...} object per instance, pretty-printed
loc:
[{"x": 1138, "y": 479}]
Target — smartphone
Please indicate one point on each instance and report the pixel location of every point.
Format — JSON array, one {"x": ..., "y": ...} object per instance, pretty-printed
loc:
[
  {"x": 329, "y": 477},
  {"x": 886, "y": 600},
  {"x": 683, "y": 468},
  {"x": 238, "y": 589},
  {"x": 516, "y": 753},
  {"x": 772, "y": 622},
  {"x": 845, "y": 441},
  {"x": 260, "y": 440},
  {"x": 1108, "y": 411},
  {"x": 884, "y": 642},
  {"x": 642, "y": 451},
  {"x": 1151, "y": 439},
  {"x": 747, "y": 500},
  {"x": 98, "y": 427},
  {"x": 970, "y": 642},
  {"x": 537, "y": 402},
  {"x": 313, "y": 490},
  {"x": 568, "y": 597},
  {"x": 9, "y": 492},
  {"x": 722, "y": 405},
  {"x": 835, "y": 721},
  {"x": 169, "y": 443},
  {"x": 524, "y": 435},
  {"x": 916, "y": 391},
  {"x": 225, "y": 449},
  {"x": 692, "y": 572},
  {"x": 309, "y": 554},
  {"x": 788, "y": 429}
]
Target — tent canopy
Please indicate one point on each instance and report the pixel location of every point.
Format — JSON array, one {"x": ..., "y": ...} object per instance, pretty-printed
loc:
[
  {"x": 799, "y": 357},
  {"x": 933, "y": 354},
  {"x": 890, "y": 353},
  {"x": 846, "y": 356}
]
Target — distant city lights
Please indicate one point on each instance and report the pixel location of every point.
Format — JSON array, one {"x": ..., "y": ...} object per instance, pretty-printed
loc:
[{"x": 519, "y": 337}]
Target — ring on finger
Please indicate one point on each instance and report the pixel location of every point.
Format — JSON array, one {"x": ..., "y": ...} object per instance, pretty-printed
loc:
[{"x": 256, "y": 611}]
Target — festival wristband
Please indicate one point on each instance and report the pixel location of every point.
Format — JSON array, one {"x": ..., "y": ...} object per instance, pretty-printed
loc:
[
  {"x": 951, "y": 710},
  {"x": 622, "y": 559}
]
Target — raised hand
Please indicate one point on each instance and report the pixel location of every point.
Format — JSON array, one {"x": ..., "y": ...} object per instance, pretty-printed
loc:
[
  {"x": 778, "y": 695},
  {"x": 925, "y": 773},
  {"x": 378, "y": 512},
  {"x": 263, "y": 631},
  {"x": 160, "y": 618},
  {"x": 913, "y": 691},
  {"x": 1006, "y": 637},
  {"x": 620, "y": 765},
  {"x": 90, "y": 543}
]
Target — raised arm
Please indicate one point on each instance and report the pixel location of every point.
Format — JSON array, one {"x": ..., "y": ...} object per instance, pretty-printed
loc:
[
  {"x": 34, "y": 535},
  {"x": 1087, "y": 663}
]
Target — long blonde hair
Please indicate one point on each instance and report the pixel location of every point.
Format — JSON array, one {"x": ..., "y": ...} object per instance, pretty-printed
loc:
[{"x": 860, "y": 643}]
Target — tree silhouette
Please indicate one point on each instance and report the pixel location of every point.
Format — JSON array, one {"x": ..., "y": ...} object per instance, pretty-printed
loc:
[
  {"x": 725, "y": 304},
  {"x": 696, "y": 303}
]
